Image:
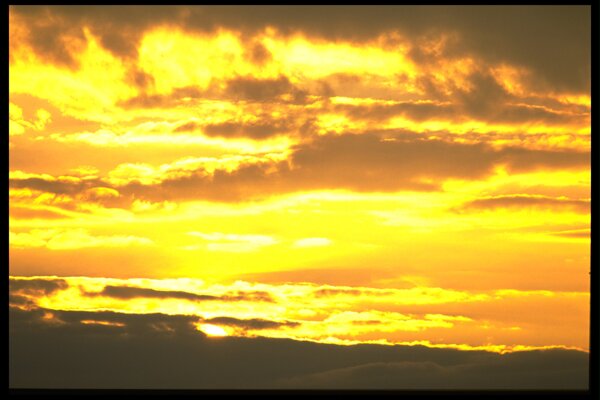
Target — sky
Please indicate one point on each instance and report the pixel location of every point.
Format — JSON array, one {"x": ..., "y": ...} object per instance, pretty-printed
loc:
[{"x": 354, "y": 178}]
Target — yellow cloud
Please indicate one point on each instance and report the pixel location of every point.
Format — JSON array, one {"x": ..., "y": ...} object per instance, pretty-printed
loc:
[
  {"x": 71, "y": 239},
  {"x": 230, "y": 242},
  {"x": 312, "y": 242},
  {"x": 294, "y": 312}
]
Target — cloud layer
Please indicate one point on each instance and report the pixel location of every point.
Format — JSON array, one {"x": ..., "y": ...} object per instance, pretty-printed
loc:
[
  {"x": 321, "y": 313},
  {"x": 164, "y": 352}
]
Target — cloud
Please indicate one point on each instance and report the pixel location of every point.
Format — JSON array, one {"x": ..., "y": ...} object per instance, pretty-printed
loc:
[
  {"x": 62, "y": 349},
  {"x": 485, "y": 99},
  {"x": 368, "y": 162},
  {"x": 262, "y": 90},
  {"x": 252, "y": 295},
  {"x": 576, "y": 234},
  {"x": 51, "y": 29},
  {"x": 177, "y": 96},
  {"x": 125, "y": 292},
  {"x": 358, "y": 162},
  {"x": 530, "y": 36},
  {"x": 250, "y": 324},
  {"x": 348, "y": 292},
  {"x": 365, "y": 162},
  {"x": 130, "y": 292},
  {"x": 231, "y": 242},
  {"x": 18, "y": 125},
  {"x": 528, "y": 201},
  {"x": 37, "y": 286},
  {"x": 513, "y": 371},
  {"x": 312, "y": 242},
  {"x": 254, "y": 130},
  {"x": 519, "y": 159},
  {"x": 84, "y": 323},
  {"x": 69, "y": 239},
  {"x": 415, "y": 110},
  {"x": 50, "y": 186},
  {"x": 322, "y": 313},
  {"x": 277, "y": 90},
  {"x": 31, "y": 213}
]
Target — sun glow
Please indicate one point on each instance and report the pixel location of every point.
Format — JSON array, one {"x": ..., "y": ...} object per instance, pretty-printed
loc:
[{"x": 213, "y": 330}]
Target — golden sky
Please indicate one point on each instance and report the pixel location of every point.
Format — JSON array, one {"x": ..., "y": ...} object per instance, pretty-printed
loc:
[{"x": 344, "y": 175}]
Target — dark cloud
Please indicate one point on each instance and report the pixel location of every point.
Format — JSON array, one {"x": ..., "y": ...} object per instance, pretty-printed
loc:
[
  {"x": 50, "y": 186},
  {"x": 256, "y": 130},
  {"x": 264, "y": 90},
  {"x": 365, "y": 162},
  {"x": 130, "y": 292},
  {"x": 525, "y": 36},
  {"x": 554, "y": 42},
  {"x": 334, "y": 292},
  {"x": 279, "y": 90},
  {"x": 160, "y": 351},
  {"x": 259, "y": 54},
  {"x": 524, "y": 201},
  {"x": 520, "y": 159},
  {"x": 69, "y": 194},
  {"x": 154, "y": 323},
  {"x": 187, "y": 127},
  {"x": 245, "y": 182},
  {"x": 50, "y": 37},
  {"x": 538, "y": 38},
  {"x": 413, "y": 110},
  {"x": 140, "y": 79},
  {"x": 161, "y": 100},
  {"x": 254, "y": 323},
  {"x": 40, "y": 287},
  {"x": 511, "y": 113},
  {"x": 495, "y": 112},
  {"x": 573, "y": 234},
  {"x": 487, "y": 100},
  {"x": 20, "y": 301},
  {"x": 28, "y": 213},
  {"x": 485, "y": 96},
  {"x": 118, "y": 27},
  {"x": 526, "y": 370},
  {"x": 92, "y": 322},
  {"x": 351, "y": 292},
  {"x": 252, "y": 295}
]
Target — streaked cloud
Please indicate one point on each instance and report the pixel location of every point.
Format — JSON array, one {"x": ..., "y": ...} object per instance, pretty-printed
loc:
[
  {"x": 321, "y": 313},
  {"x": 312, "y": 242},
  {"x": 71, "y": 239},
  {"x": 230, "y": 242},
  {"x": 529, "y": 201}
]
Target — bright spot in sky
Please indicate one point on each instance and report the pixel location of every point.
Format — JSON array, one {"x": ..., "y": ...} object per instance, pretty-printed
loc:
[
  {"x": 212, "y": 330},
  {"x": 311, "y": 242}
]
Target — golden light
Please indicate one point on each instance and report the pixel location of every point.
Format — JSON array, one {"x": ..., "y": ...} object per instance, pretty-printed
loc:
[
  {"x": 218, "y": 163},
  {"x": 213, "y": 330}
]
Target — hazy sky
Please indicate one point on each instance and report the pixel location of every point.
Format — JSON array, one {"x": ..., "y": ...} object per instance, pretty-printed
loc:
[{"x": 343, "y": 175}]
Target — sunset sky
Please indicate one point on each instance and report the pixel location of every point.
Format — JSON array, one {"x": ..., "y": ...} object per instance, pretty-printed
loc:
[{"x": 411, "y": 175}]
